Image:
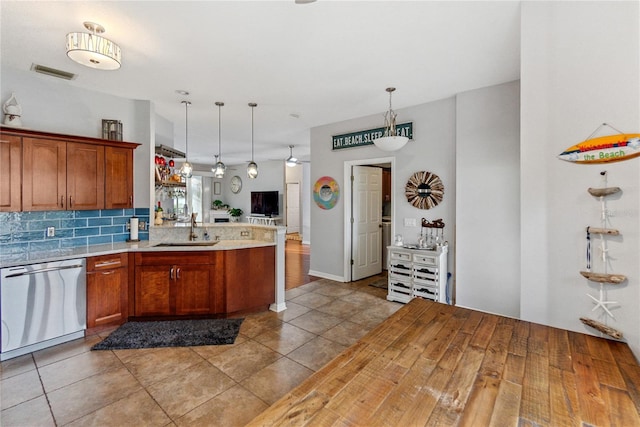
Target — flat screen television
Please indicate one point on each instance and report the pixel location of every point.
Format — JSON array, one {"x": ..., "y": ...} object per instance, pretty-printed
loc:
[{"x": 264, "y": 203}]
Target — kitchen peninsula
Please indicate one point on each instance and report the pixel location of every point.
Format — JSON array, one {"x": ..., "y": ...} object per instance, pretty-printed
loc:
[{"x": 240, "y": 269}]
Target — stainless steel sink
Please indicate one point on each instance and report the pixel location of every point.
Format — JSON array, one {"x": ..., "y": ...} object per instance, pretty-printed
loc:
[{"x": 205, "y": 243}]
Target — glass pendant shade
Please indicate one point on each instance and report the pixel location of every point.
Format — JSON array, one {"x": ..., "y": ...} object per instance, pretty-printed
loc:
[
  {"x": 390, "y": 141},
  {"x": 93, "y": 50},
  {"x": 219, "y": 169},
  {"x": 186, "y": 170},
  {"x": 252, "y": 170}
]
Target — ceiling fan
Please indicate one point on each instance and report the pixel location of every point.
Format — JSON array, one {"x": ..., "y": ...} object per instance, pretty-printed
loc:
[{"x": 292, "y": 161}]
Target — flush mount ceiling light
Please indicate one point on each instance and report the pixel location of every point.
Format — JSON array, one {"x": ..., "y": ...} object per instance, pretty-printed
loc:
[
  {"x": 219, "y": 168},
  {"x": 92, "y": 50},
  {"x": 187, "y": 169},
  {"x": 291, "y": 161},
  {"x": 252, "y": 167},
  {"x": 390, "y": 141}
]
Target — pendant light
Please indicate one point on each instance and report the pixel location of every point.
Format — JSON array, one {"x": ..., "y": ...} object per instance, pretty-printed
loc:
[
  {"x": 187, "y": 169},
  {"x": 390, "y": 141},
  {"x": 252, "y": 168},
  {"x": 219, "y": 168}
]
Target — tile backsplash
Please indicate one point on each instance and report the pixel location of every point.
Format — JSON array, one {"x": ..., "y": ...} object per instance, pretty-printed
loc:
[{"x": 27, "y": 231}]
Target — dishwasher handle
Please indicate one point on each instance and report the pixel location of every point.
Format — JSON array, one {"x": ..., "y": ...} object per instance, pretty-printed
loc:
[{"x": 42, "y": 270}]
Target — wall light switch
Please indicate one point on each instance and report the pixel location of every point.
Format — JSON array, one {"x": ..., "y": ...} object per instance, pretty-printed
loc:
[
  {"x": 410, "y": 222},
  {"x": 51, "y": 231}
]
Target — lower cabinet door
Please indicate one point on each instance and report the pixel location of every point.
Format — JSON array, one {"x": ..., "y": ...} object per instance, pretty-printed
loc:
[
  {"x": 106, "y": 297},
  {"x": 192, "y": 289},
  {"x": 153, "y": 290}
]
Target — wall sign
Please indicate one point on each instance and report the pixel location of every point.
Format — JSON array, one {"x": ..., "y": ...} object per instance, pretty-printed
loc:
[
  {"x": 326, "y": 192},
  {"x": 366, "y": 137},
  {"x": 612, "y": 148}
]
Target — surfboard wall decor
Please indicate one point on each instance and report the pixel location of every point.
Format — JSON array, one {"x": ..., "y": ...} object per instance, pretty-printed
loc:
[{"x": 604, "y": 149}]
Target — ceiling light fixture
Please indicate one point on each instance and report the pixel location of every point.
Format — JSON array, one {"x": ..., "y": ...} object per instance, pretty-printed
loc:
[
  {"x": 390, "y": 141},
  {"x": 93, "y": 50},
  {"x": 252, "y": 167},
  {"x": 187, "y": 169},
  {"x": 291, "y": 161},
  {"x": 219, "y": 168}
]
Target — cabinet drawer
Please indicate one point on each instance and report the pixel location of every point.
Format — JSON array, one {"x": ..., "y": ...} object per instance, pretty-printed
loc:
[
  {"x": 107, "y": 262},
  {"x": 424, "y": 273},
  {"x": 425, "y": 259},
  {"x": 400, "y": 273},
  {"x": 404, "y": 256},
  {"x": 428, "y": 292}
]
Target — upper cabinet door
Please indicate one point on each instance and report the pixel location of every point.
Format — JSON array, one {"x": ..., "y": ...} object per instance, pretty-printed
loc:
[
  {"x": 118, "y": 178},
  {"x": 10, "y": 173},
  {"x": 44, "y": 173},
  {"x": 85, "y": 176}
]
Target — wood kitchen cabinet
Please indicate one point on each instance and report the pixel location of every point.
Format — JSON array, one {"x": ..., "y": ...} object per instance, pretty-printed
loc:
[
  {"x": 64, "y": 172},
  {"x": 178, "y": 284},
  {"x": 60, "y": 175},
  {"x": 250, "y": 278},
  {"x": 118, "y": 178},
  {"x": 107, "y": 290},
  {"x": 10, "y": 173}
]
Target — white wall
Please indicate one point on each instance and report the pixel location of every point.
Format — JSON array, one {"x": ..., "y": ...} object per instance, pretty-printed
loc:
[
  {"x": 53, "y": 105},
  {"x": 580, "y": 68},
  {"x": 488, "y": 199},
  {"x": 433, "y": 149},
  {"x": 306, "y": 198}
]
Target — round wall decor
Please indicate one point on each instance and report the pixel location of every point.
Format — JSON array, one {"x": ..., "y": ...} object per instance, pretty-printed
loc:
[
  {"x": 326, "y": 192},
  {"x": 424, "y": 190}
]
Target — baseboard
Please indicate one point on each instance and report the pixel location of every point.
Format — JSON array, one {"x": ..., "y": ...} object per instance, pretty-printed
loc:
[
  {"x": 306, "y": 242},
  {"x": 326, "y": 276},
  {"x": 278, "y": 307}
]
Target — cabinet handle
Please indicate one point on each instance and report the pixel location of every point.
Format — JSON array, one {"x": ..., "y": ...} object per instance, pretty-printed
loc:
[
  {"x": 62, "y": 201},
  {"x": 171, "y": 273},
  {"x": 104, "y": 273},
  {"x": 131, "y": 200},
  {"x": 178, "y": 271},
  {"x": 70, "y": 202}
]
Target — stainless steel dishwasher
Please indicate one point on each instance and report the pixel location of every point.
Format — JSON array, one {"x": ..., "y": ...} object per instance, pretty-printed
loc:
[{"x": 42, "y": 305}]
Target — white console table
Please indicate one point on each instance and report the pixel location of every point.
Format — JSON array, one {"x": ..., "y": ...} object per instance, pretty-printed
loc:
[
  {"x": 264, "y": 220},
  {"x": 417, "y": 273}
]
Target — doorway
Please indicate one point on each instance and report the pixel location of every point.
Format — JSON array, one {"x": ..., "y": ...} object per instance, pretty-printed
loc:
[
  {"x": 351, "y": 248},
  {"x": 293, "y": 208}
]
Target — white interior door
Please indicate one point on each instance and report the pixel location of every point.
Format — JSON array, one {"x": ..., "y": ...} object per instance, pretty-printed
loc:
[
  {"x": 293, "y": 207},
  {"x": 366, "y": 208}
]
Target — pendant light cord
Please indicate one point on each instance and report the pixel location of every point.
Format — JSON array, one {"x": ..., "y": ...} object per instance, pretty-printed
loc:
[
  {"x": 252, "y": 133},
  {"x": 219, "y": 134}
]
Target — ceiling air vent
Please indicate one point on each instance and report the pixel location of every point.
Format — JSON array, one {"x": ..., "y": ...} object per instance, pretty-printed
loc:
[{"x": 53, "y": 72}]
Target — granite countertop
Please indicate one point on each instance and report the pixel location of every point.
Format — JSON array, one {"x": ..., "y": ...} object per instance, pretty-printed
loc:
[{"x": 106, "y": 249}]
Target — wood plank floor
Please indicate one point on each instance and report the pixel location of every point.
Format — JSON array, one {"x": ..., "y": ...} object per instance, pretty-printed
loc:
[
  {"x": 439, "y": 365},
  {"x": 296, "y": 270}
]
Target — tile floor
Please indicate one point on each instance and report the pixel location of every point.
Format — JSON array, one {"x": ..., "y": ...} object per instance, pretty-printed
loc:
[{"x": 211, "y": 385}]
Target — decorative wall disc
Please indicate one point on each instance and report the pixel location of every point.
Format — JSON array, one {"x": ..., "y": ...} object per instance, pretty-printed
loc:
[
  {"x": 424, "y": 190},
  {"x": 326, "y": 192}
]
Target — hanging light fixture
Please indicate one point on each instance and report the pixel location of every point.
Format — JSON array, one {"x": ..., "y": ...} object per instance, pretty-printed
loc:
[
  {"x": 93, "y": 50},
  {"x": 390, "y": 141},
  {"x": 291, "y": 161},
  {"x": 187, "y": 169},
  {"x": 252, "y": 167},
  {"x": 219, "y": 168}
]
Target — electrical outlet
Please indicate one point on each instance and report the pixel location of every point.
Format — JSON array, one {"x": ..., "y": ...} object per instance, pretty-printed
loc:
[
  {"x": 51, "y": 231},
  {"x": 142, "y": 225},
  {"x": 410, "y": 222},
  {"x": 244, "y": 234}
]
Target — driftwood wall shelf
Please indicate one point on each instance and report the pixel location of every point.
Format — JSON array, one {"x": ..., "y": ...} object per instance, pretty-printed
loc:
[{"x": 602, "y": 278}]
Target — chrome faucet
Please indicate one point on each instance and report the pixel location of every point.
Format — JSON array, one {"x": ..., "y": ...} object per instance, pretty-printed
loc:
[{"x": 192, "y": 234}]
